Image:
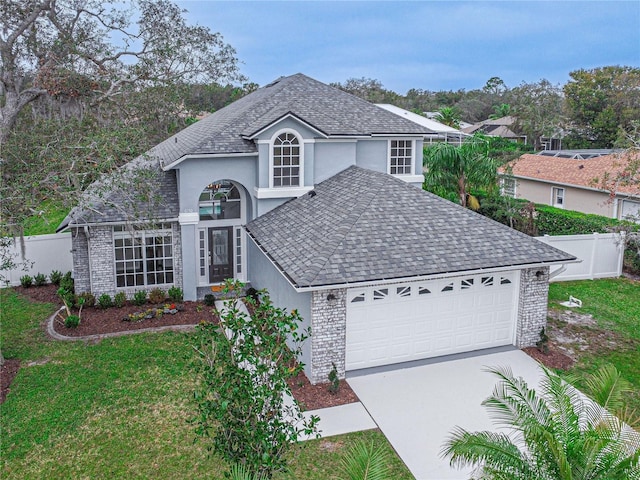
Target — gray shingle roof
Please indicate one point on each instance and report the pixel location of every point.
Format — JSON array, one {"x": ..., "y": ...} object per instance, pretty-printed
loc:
[
  {"x": 361, "y": 225},
  {"x": 328, "y": 109}
]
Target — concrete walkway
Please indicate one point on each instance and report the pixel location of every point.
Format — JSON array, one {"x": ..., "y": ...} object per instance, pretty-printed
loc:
[{"x": 417, "y": 408}]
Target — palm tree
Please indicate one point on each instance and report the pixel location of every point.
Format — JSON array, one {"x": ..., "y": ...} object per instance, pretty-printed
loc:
[
  {"x": 448, "y": 116},
  {"x": 499, "y": 111},
  {"x": 459, "y": 169},
  {"x": 557, "y": 434}
]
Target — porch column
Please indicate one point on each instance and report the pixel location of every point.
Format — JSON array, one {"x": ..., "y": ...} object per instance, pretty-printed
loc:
[{"x": 188, "y": 222}]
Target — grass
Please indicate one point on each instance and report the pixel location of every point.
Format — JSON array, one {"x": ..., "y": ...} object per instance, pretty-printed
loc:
[
  {"x": 51, "y": 215},
  {"x": 615, "y": 305},
  {"x": 117, "y": 409}
]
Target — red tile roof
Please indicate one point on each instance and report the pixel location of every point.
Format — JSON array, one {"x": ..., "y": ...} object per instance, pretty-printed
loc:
[{"x": 594, "y": 173}]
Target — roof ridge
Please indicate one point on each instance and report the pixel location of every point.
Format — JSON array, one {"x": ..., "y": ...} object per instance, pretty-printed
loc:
[{"x": 343, "y": 236}]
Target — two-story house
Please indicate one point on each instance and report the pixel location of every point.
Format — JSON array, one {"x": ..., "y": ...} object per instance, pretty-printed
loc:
[{"x": 314, "y": 194}]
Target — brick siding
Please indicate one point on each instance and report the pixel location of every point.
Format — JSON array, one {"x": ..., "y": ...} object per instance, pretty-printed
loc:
[
  {"x": 328, "y": 334},
  {"x": 532, "y": 307}
]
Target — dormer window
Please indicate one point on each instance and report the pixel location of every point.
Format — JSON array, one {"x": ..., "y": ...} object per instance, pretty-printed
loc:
[
  {"x": 401, "y": 157},
  {"x": 287, "y": 160}
]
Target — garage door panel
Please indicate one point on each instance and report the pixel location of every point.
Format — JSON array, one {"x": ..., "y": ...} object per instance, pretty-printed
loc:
[{"x": 406, "y": 322}]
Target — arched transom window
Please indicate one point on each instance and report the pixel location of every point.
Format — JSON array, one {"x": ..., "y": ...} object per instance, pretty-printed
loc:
[{"x": 286, "y": 160}]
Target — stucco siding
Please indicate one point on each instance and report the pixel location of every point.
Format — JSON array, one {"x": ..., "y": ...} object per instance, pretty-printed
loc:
[
  {"x": 197, "y": 173},
  {"x": 577, "y": 199},
  {"x": 372, "y": 154},
  {"x": 332, "y": 158},
  {"x": 263, "y": 275}
]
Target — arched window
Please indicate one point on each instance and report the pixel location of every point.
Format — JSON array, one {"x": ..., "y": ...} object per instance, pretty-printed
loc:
[
  {"x": 287, "y": 160},
  {"x": 220, "y": 200}
]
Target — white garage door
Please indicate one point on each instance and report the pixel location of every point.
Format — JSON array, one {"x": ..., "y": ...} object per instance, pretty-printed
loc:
[{"x": 411, "y": 321}]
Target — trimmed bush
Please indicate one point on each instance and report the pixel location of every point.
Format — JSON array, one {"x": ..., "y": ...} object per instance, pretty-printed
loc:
[
  {"x": 140, "y": 297},
  {"x": 210, "y": 300},
  {"x": 89, "y": 299},
  {"x": 120, "y": 299},
  {"x": 55, "y": 276},
  {"x": 156, "y": 296},
  {"x": 67, "y": 297},
  {"x": 105, "y": 301},
  {"x": 556, "y": 221},
  {"x": 26, "y": 281},
  {"x": 40, "y": 279},
  {"x": 175, "y": 294},
  {"x": 72, "y": 321},
  {"x": 67, "y": 282}
]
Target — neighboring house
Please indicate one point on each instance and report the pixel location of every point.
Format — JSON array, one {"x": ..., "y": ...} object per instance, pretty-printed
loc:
[
  {"x": 314, "y": 194},
  {"x": 581, "y": 180},
  {"x": 438, "y": 132},
  {"x": 498, "y": 127}
]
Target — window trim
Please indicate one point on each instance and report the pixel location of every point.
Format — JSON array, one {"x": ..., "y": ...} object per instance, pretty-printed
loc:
[
  {"x": 508, "y": 186},
  {"x": 271, "y": 159},
  {"x": 558, "y": 192},
  {"x": 412, "y": 141}
]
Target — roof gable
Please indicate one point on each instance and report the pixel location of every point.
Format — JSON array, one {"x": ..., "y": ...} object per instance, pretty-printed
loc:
[{"x": 361, "y": 226}]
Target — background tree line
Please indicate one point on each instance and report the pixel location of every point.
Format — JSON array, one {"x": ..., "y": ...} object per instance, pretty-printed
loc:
[{"x": 594, "y": 109}]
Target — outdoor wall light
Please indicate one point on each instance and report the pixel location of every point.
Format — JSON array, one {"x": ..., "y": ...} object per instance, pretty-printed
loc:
[
  {"x": 331, "y": 297},
  {"x": 539, "y": 274}
]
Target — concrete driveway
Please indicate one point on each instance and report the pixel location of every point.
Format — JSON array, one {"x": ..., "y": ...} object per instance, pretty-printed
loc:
[{"x": 417, "y": 408}]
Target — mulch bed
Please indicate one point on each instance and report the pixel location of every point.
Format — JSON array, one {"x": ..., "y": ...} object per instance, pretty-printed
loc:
[
  {"x": 554, "y": 358},
  {"x": 312, "y": 397}
]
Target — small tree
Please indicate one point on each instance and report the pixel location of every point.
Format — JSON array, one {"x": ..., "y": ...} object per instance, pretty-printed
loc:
[
  {"x": 459, "y": 169},
  {"x": 243, "y": 366},
  {"x": 557, "y": 433}
]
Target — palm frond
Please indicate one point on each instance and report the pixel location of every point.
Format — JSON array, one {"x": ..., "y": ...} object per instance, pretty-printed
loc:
[
  {"x": 365, "y": 462},
  {"x": 494, "y": 451}
]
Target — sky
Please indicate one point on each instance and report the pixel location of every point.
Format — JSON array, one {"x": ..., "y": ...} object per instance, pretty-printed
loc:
[{"x": 429, "y": 45}]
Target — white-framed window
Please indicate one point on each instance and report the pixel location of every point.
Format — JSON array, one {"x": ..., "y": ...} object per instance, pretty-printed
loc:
[
  {"x": 630, "y": 210},
  {"x": 286, "y": 160},
  {"x": 143, "y": 257},
  {"x": 557, "y": 197},
  {"x": 401, "y": 157},
  {"x": 508, "y": 187}
]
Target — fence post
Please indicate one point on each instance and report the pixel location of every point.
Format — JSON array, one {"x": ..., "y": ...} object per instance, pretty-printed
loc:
[{"x": 594, "y": 250}]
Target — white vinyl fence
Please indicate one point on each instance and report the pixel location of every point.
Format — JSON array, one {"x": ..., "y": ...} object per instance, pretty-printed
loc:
[
  {"x": 42, "y": 254},
  {"x": 601, "y": 255}
]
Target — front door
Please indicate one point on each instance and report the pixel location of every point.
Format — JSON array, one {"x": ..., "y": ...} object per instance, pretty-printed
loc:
[{"x": 220, "y": 254}]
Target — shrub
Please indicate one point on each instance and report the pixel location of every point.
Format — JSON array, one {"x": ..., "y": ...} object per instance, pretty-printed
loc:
[
  {"x": 26, "y": 281},
  {"x": 105, "y": 301},
  {"x": 210, "y": 300},
  {"x": 140, "y": 297},
  {"x": 556, "y": 221},
  {"x": 120, "y": 299},
  {"x": 55, "y": 276},
  {"x": 72, "y": 321},
  {"x": 67, "y": 297},
  {"x": 334, "y": 381},
  {"x": 67, "y": 282},
  {"x": 88, "y": 298},
  {"x": 175, "y": 294},
  {"x": 156, "y": 296},
  {"x": 40, "y": 279}
]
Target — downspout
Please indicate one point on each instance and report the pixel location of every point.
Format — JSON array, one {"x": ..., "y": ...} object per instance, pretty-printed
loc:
[
  {"x": 86, "y": 234},
  {"x": 560, "y": 270}
]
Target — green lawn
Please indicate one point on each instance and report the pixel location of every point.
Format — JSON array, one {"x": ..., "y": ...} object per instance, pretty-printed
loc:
[
  {"x": 615, "y": 304},
  {"x": 117, "y": 409}
]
